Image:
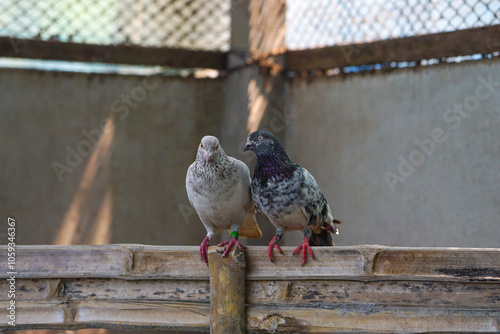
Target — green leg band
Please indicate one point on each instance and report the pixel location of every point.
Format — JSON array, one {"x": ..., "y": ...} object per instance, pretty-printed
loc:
[{"x": 234, "y": 234}]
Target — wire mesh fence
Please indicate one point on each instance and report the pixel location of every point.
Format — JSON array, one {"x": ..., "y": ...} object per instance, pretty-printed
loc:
[
  {"x": 319, "y": 23},
  {"x": 189, "y": 24},
  {"x": 205, "y": 25}
]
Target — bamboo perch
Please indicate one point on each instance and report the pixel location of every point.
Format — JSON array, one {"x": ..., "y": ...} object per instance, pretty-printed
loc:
[
  {"x": 227, "y": 292},
  {"x": 357, "y": 288}
]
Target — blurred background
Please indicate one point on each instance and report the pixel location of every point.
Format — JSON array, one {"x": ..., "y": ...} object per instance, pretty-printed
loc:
[{"x": 393, "y": 106}]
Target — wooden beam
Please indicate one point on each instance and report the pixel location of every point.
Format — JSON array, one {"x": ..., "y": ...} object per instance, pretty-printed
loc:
[
  {"x": 111, "y": 54},
  {"x": 227, "y": 292},
  {"x": 113, "y": 314},
  {"x": 415, "y": 48},
  {"x": 366, "y": 288},
  {"x": 265, "y": 319},
  {"x": 305, "y": 306},
  {"x": 193, "y": 291},
  {"x": 119, "y": 261},
  {"x": 394, "y": 293},
  {"x": 257, "y": 34},
  {"x": 182, "y": 262},
  {"x": 267, "y": 27},
  {"x": 369, "y": 319}
]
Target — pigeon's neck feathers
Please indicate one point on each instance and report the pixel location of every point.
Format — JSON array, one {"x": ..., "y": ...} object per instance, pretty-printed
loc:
[
  {"x": 274, "y": 162},
  {"x": 213, "y": 165},
  {"x": 214, "y": 175}
]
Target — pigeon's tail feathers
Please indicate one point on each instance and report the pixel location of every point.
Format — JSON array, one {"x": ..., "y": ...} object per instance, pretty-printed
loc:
[
  {"x": 250, "y": 228},
  {"x": 323, "y": 238},
  {"x": 333, "y": 227}
]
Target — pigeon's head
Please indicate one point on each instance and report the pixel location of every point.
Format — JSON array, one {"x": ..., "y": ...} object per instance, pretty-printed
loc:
[
  {"x": 262, "y": 142},
  {"x": 209, "y": 149}
]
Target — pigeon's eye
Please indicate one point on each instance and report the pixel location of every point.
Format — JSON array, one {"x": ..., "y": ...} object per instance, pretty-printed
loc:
[
  {"x": 217, "y": 147},
  {"x": 260, "y": 138},
  {"x": 201, "y": 145}
]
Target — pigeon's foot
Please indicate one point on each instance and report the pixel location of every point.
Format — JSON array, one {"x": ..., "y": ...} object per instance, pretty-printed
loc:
[
  {"x": 273, "y": 244},
  {"x": 204, "y": 249},
  {"x": 305, "y": 248},
  {"x": 230, "y": 244}
]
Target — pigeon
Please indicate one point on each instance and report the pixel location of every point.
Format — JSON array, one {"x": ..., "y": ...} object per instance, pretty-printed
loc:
[
  {"x": 288, "y": 196},
  {"x": 218, "y": 187}
]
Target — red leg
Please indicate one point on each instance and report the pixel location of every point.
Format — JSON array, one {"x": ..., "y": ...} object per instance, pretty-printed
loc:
[
  {"x": 273, "y": 244},
  {"x": 204, "y": 249},
  {"x": 305, "y": 248},
  {"x": 230, "y": 244}
]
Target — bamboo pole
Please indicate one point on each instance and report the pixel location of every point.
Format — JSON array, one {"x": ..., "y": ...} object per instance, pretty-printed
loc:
[
  {"x": 227, "y": 292},
  {"x": 366, "y": 288}
]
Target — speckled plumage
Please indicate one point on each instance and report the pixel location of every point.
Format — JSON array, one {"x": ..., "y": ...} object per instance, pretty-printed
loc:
[
  {"x": 218, "y": 187},
  {"x": 287, "y": 194}
]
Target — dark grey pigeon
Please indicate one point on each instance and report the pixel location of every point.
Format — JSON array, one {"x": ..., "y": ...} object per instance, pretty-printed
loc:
[{"x": 288, "y": 196}]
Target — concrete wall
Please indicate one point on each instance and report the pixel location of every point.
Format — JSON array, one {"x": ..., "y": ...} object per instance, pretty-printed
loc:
[
  {"x": 129, "y": 186},
  {"x": 254, "y": 102},
  {"x": 138, "y": 136},
  {"x": 352, "y": 132}
]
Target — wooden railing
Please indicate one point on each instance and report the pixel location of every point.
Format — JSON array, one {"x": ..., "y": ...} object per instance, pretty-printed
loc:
[
  {"x": 360, "y": 288},
  {"x": 482, "y": 40}
]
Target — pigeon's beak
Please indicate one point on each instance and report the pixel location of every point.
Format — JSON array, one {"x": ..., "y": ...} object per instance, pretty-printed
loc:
[
  {"x": 250, "y": 145},
  {"x": 208, "y": 156}
]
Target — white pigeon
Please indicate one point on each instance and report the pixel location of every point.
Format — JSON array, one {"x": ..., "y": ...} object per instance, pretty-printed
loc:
[{"x": 218, "y": 187}]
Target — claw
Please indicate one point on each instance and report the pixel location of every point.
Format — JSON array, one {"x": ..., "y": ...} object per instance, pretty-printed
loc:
[
  {"x": 305, "y": 248},
  {"x": 230, "y": 244},
  {"x": 204, "y": 249},
  {"x": 273, "y": 244}
]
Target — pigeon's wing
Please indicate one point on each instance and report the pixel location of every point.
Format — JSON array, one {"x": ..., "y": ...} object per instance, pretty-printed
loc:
[
  {"x": 244, "y": 181},
  {"x": 189, "y": 183},
  {"x": 249, "y": 228},
  {"x": 314, "y": 203}
]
